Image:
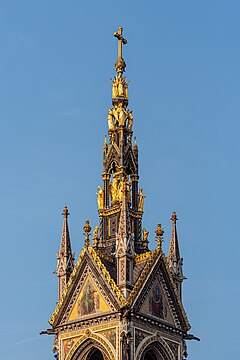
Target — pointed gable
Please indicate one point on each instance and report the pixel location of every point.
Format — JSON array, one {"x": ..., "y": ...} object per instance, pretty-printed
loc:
[
  {"x": 113, "y": 155},
  {"x": 130, "y": 159},
  {"x": 155, "y": 294},
  {"x": 89, "y": 271}
]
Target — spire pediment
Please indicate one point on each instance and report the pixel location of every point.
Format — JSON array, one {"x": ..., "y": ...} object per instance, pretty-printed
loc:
[{"x": 154, "y": 285}]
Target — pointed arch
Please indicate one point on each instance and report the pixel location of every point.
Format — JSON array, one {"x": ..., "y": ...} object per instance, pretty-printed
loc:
[
  {"x": 95, "y": 354},
  {"x": 112, "y": 156},
  {"x": 153, "y": 347},
  {"x": 130, "y": 161},
  {"x": 88, "y": 344}
]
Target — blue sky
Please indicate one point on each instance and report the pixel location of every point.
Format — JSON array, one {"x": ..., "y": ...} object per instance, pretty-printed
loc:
[{"x": 57, "y": 58}]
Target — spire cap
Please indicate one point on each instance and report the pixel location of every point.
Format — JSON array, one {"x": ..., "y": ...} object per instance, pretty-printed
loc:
[
  {"x": 65, "y": 212},
  {"x": 174, "y": 218}
]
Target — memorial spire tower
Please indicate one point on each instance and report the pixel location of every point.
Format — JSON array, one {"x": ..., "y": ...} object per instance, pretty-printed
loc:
[
  {"x": 120, "y": 166},
  {"x": 121, "y": 300}
]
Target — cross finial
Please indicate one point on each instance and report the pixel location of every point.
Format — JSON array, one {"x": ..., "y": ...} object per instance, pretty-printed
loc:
[
  {"x": 121, "y": 41},
  {"x": 120, "y": 64}
]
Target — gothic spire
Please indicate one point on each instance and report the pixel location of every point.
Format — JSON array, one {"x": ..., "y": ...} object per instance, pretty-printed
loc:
[
  {"x": 120, "y": 166},
  {"x": 65, "y": 257},
  {"x": 175, "y": 261}
]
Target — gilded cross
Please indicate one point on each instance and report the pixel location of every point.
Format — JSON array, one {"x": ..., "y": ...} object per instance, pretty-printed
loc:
[{"x": 121, "y": 41}]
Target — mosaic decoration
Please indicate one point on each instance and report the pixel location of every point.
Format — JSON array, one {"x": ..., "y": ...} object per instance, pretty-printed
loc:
[
  {"x": 110, "y": 334},
  {"x": 90, "y": 301},
  {"x": 156, "y": 304},
  {"x": 112, "y": 226},
  {"x": 67, "y": 345}
]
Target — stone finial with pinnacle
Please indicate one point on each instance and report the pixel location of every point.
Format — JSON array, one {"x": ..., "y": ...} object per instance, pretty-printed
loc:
[
  {"x": 65, "y": 212},
  {"x": 159, "y": 234},
  {"x": 174, "y": 218},
  {"x": 87, "y": 228}
]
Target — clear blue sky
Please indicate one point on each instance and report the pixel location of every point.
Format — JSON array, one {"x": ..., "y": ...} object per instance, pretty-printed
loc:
[{"x": 56, "y": 62}]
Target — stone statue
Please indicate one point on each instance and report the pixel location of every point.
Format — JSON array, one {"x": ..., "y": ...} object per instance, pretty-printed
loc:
[
  {"x": 114, "y": 189},
  {"x": 114, "y": 89},
  {"x": 126, "y": 90},
  {"x": 95, "y": 232},
  {"x": 145, "y": 235},
  {"x": 115, "y": 113},
  {"x": 128, "y": 184},
  {"x": 120, "y": 87},
  {"x": 95, "y": 237},
  {"x": 130, "y": 120},
  {"x": 128, "y": 190},
  {"x": 100, "y": 199},
  {"x": 141, "y": 199},
  {"x": 111, "y": 124},
  {"x": 122, "y": 115}
]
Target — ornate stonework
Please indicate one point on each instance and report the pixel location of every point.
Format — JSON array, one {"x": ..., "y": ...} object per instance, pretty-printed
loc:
[
  {"x": 111, "y": 335},
  {"x": 77, "y": 353},
  {"x": 121, "y": 301},
  {"x": 159, "y": 342},
  {"x": 139, "y": 336}
]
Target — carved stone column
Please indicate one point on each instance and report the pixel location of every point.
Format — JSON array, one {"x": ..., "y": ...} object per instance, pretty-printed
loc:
[
  {"x": 134, "y": 179},
  {"x": 106, "y": 178}
]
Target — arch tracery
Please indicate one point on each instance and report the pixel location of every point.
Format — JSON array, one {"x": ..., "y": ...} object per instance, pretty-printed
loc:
[
  {"x": 154, "y": 347},
  {"x": 87, "y": 345}
]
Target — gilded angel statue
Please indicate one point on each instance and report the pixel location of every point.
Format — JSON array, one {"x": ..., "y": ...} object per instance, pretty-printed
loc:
[
  {"x": 130, "y": 120},
  {"x": 100, "y": 197},
  {"x": 122, "y": 115},
  {"x": 111, "y": 124},
  {"x": 141, "y": 199}
]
